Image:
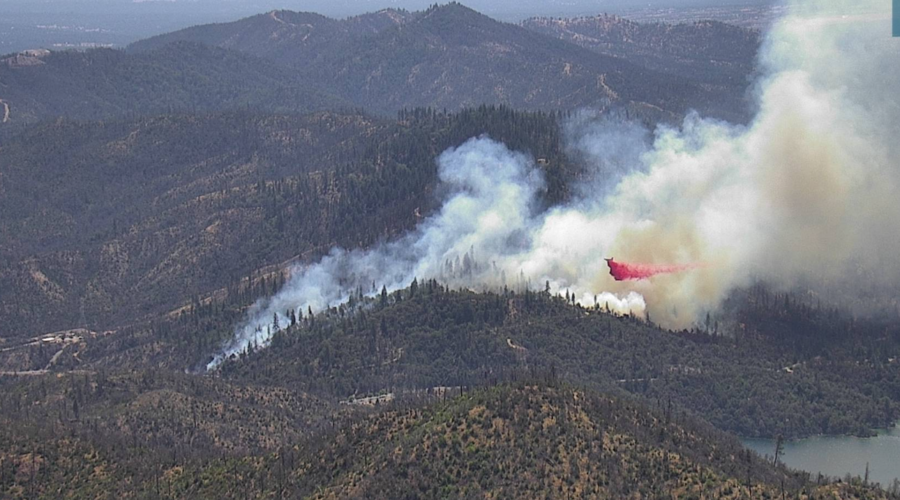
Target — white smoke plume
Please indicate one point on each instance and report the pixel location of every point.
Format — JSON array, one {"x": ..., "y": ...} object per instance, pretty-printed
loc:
[
  {"x": 489, "y": 211},
  {"x": 807, "y": 191}
]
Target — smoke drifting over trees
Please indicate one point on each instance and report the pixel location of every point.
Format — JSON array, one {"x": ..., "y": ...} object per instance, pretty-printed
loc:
[{"x": 807, "y": 192}]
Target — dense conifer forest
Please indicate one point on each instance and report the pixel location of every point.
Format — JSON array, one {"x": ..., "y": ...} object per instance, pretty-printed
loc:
[{"x": 149, "y": 197}]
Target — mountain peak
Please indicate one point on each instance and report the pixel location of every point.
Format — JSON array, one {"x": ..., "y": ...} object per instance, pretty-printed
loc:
[
  {"x": 450, "y": 7},
  {"x": 455, "y": 19},
  {"x": 452, "y": 10}
]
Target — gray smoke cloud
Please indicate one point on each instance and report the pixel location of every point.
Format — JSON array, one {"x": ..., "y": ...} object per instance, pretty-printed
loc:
[{"x": 807, "y": 191}]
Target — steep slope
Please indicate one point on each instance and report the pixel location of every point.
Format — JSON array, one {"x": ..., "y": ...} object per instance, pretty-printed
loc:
[
  {"x": 718, "y": 57},
  {"x": 452, "y": 56},
  {"x": 708, "y": 51},
  {"x": 106, "y": 83},
  {"x": 102, "y": 224},
  {"x": 118, "y": 219}
]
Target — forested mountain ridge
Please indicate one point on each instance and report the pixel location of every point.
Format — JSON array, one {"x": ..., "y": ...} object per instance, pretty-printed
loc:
[
  {"x": 766, "y": 382},
  {"x": 104, "y": 83},
  {"x": 535, "y": 437},
  {"x": 800, "y": 374},
  {"x": 710, "y": 51},
  {"x": 719, "y": 57},
  {"x": 445, "y": 57},
  {"x": 292, "y": 38},
  {"x": 450, "y": 56}
]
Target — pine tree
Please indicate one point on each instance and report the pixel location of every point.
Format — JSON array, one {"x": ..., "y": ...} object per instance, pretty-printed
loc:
[{"x": 779, "y": 448}]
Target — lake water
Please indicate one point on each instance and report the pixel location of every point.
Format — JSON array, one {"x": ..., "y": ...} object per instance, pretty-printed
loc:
[{"x": 838, "y": 455}]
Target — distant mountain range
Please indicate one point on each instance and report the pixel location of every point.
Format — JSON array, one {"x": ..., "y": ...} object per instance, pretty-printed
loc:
[
  {"x": 445, "y": 57},
  {"x": 292, "y": 38},
  {"x": 711, "y": 52}
]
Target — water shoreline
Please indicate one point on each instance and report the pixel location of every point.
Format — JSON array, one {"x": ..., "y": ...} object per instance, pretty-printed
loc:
[{"x": 839, "y": 455}]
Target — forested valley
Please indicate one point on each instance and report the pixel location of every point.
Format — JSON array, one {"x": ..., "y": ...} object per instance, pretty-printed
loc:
[{"x": 149, "y": 197}]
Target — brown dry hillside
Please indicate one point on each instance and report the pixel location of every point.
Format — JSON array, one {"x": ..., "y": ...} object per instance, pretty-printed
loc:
[
  {"x": 159, "y": 436},
  {"x": 545, "y": 441}
]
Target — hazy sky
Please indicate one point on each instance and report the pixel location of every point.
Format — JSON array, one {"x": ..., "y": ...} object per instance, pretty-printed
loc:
[{"x": 216, "y": 8}]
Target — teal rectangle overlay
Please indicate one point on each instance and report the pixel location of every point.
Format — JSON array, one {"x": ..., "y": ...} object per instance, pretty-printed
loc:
[{"x": 896, "y": 18}]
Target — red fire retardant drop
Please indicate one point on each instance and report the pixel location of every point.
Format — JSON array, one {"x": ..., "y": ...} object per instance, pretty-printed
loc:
[{"x": 623, "y": 271}]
